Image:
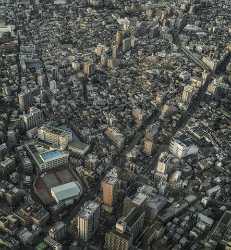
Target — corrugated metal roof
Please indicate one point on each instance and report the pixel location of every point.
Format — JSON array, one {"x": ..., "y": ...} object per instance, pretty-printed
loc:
[{"x": 66, "y": 191}]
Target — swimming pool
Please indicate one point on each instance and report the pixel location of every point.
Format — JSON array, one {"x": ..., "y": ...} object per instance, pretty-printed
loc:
[{"x": 47, "y": 156}]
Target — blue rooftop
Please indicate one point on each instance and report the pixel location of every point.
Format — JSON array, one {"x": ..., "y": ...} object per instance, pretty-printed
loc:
[{"x": 47, "y": 156}]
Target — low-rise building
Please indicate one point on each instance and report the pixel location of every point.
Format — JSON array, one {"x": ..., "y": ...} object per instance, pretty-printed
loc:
[
  {"x": 56, "y": 136},
  {"x": 47, "y": 158},
  {"x": 66, "y": 193},
  {"x": 183, "y": 146}
]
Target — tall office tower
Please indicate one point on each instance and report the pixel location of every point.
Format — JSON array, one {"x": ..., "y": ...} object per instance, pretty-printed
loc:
[
  {"x": 115, "y": 51},
  {"x": 188, "y": 93},
  {"x": 99, "y": 49},
  {"x": 53, "y": 86},
  {"x": 119, "y": 38},
  {"x": 138, "y": 116},
  {"x": 110, "y": 187},
  {"x": 55, "y": 73},
  {"x": 87, "y": 220},
  {"x": 126, "y": 231},
  {"x": 148, "y": 147},
  {"x": 126, "y": 44},
  {"x": 41, "y": 79},
  {"x": 88, "y": 68},
  {"x": 3, "y": 150},
  {"x": 25, "y": 100},
  {"x": 166, "y": 163},
  {"x": 33, "y": 119},
  {"x": 133, "y": 222},
  {"x": 115, "y": 136},
  {"x": 115, "y": 240}
]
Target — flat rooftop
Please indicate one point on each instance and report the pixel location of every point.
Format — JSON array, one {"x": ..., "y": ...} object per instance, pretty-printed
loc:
[
  {"x": 88, "y": 209},
  {"x": 55, "y": 130},
  {"x": 50, "y": 179},
  {"x": 51, "y": 155},
  {"x": 42, "y": 152},
  {"x": 66, "y": 191}
]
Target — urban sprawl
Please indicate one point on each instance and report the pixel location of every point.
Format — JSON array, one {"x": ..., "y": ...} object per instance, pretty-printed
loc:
[{"x": 115, "y": 124}]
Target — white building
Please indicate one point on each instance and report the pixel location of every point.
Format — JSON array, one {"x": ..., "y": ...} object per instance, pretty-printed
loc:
[
  {"x": 53, "y": 86},
  {"x": 57, "y": 136},
  {"x": 66, "y": 193},
  {"x": 25, "y": 99},
  {"x": 6, "y": 29},
  {"x": 183, "y": 146},
  {"x": 88, "y": 220},
  {"x": 46, "y": 158},
  {"x": 33, "y": 119},
  {"x": 166, "y": 163},
  {"x": 60, "y": 2},
  {"x": 188, "y": 93}
]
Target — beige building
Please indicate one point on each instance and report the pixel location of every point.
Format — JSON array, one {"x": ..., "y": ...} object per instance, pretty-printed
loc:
[
  {"x": 148, "y": 147},
  {"x": 110, "y": 186},
  {"x": 87, "y": 220},
  {"x": 56, "y": 136},
  {"x": 188, "y": 93}
]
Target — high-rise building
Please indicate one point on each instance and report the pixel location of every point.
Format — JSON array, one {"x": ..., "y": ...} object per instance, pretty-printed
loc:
[
  {"x": 104, "y": 59},
  {"x": 7, "y": 166},
  {"x": 188, "y": 93},
  {"x": 57, "y": 136},
  {"x": 115, "y": 240},
  {"x": 115, "y": 136},
  {"x": 115, "y": 51},
  {"x": 119, "y": 38},
  {"x": 88, "y": 68},
  {"x": 99, "y": 49},
  {"x": 110, "y": 186},
  {"x": 133, "y": 222},
  {"x": 148, "y": 147},
  {"x": 165, "y": 165},
  {"x": 87, "y": 220},
  {"x": 55, "y": 73},
  {"x": 33, "y": 119},
  {"x": 126, "y": 44},
  {"x": 53, "y": 86},
  {"x": 25, "y": 100},
  {"x": 112, "y": 62},
  {"x": 11, "y": 137},
  {"x": 146, "y": 198},
  {"x": 58, "y": 231},
  {"x": 152, "y": 131},
  {"x": 183, "y": 146},
  {"x": 138, "y": 116},
  {"x": 126, "y": 231},
  {"x": 3, "y": 150}
]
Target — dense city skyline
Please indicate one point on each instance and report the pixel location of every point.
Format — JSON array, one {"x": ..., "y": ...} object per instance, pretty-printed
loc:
[{"x": 115, "y": 124}]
